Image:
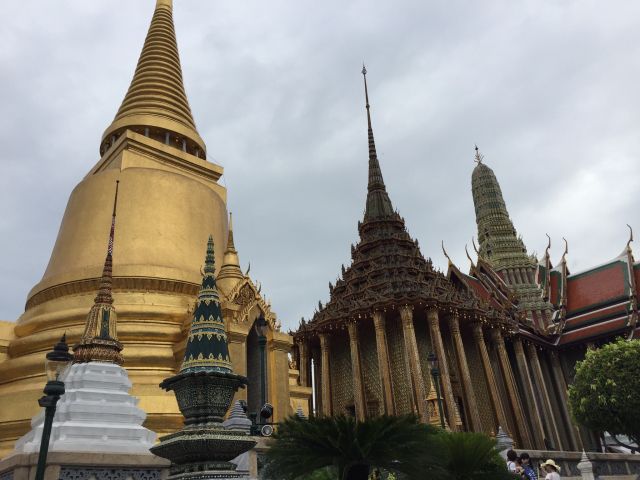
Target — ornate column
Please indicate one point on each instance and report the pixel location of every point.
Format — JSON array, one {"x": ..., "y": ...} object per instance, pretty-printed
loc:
[
  {"x": 512, "y": 389},
  {"x": 415, "y": 368},
  {"x": 490, "y": 379},
  {"x": 561, "y": 385},
  {"x": 445, "y": 379},
  {"x": 356, "y": 371},
  {"x": 303, "y": 365},
  {"x": 384, "y": 367},
  {"x": 542, "y": 388},
  {"x": 325, "y": 374},
  {"x": 470, "y": 396},
  {"x": 536, "y": 413}
]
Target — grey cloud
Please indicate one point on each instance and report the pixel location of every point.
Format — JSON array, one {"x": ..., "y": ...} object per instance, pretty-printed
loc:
[{"x": 548, "y": 90}]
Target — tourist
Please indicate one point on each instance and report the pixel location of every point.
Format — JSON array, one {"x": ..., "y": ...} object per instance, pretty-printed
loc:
[
  {"x": 527, "y": 472},
  {"x": 552, "y": 469},
  {"x": 512, "y": 459}
]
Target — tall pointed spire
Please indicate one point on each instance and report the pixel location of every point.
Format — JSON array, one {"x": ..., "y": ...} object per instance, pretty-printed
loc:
[
  {"x": 99, "y": 343},
  {"x": 207, "y": 348},
  {"x": 378, "y": 202},
  {"x": 156, "y": 103},
  {"x": 230, "y": 272}
]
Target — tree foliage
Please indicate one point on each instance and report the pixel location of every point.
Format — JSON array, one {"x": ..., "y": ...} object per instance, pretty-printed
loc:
[
  {"x": 343, "y": 448},
  {"x": 472, "y": 456},
  {"x": 352, "y": 448},
  {"x": 605, "y": 394}
]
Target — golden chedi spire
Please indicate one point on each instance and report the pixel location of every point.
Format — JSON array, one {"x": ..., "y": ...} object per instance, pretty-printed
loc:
[
  {"x": 156, "y": 103},
  {"x": 99, "y": 343},
  {"x": 230, "y": 273},
  {"x": 173, "y": 203}
]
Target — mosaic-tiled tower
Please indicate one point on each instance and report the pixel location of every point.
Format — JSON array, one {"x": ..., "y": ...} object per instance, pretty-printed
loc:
[{"x": 204, "y": 388}]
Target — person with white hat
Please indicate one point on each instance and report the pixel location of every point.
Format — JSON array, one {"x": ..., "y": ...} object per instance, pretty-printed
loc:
[{"x": 552, "y": 469}]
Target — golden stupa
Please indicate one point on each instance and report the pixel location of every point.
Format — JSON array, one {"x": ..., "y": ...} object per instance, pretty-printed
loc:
[{"x": 170, "y": 202}]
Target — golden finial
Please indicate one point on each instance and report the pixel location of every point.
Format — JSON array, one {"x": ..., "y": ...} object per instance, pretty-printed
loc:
[
  {"x": 566, "y": 250},
  {"x": 479, "y": 156}
]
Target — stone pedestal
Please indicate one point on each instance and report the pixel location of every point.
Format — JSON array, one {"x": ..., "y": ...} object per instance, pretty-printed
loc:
[{"x": 96, "y": 414}]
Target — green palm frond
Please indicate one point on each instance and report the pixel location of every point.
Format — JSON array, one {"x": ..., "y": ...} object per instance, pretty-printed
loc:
[
  {"x": 473, "y": 456},
  {"x": 400, "y": 444}
]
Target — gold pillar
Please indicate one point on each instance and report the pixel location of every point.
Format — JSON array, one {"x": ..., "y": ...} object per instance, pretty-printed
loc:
[
  {"x": 470, "y": 396},
  {"x": 542, "y": 388},
  {"x": 536, "y": 413},
  {"x": 384, "y": 367},
  {"x": 356, "y": 371},
  {"x": 561, "y": 385},
  {"x": 491, "y": 381},
  {"x": 303, "y": 366},
  {"x": 512, "y": 389},
  {"x": 325, "y": 375},
  {"x": 445, "y": 379},
  {"x": 415, "y": 368}
]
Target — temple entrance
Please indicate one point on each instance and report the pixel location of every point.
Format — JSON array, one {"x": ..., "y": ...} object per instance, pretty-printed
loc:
[{"x": 254, "y": 373}]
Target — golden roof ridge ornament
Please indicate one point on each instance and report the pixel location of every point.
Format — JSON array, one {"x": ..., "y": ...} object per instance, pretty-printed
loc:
[
  {"x": 156, "y": 102},
  {"x": 99, "y": 342}
]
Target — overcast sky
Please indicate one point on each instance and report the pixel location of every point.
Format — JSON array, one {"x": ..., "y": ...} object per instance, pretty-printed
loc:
[{"x": 549, "y": 90}]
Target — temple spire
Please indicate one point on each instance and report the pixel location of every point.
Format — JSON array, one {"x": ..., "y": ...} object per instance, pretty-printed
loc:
[
  {"x": 230, "y": 272},
  {"x": 156, "y": 103},
  {"x": 207, "y": 348},
  {"x": 99, "y": 343},
  {"x": 378, "y": 202}
]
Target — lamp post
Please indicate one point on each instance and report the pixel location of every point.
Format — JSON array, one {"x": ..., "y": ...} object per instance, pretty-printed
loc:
[
  {"x": 435, "y": 374},
  {"x": 56, "y": 363},
  {"x": 261, "y": 330}
]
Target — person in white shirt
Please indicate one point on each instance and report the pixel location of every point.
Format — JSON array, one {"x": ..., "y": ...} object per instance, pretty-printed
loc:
[
  {"x": 512, "y": 458},
  {"x": 552, "y": 469}
]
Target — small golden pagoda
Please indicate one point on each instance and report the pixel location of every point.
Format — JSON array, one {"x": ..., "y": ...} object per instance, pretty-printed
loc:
[{"x": 170, "y": 201}]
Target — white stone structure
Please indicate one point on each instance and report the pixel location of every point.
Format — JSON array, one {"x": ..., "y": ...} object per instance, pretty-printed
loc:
[{"x": 96, "y": 414}]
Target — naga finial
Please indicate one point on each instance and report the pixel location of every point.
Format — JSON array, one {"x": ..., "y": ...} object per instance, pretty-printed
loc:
[
  {"x": 248, "y": 270},
  {"x": 546, "y": 251},
  {"x": 446, "y": 254},
  {"x": 566, "y": 249},
  {"x": 468, "y": 256},
  {"x": 630, "y": 237},
  {"x": 475, "y": 248}
]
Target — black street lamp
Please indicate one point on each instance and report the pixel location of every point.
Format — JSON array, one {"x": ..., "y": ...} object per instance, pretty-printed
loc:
[
  {"x": 262, "y": 329},
  {"x": 56, "y": 363},
  {"x": 435, "y": 374}
]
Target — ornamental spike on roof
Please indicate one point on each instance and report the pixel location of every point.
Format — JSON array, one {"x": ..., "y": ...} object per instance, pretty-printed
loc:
[
  {"x": 378, "y": 202},
  {"x": 207, "y": 348},
  {"x": 99, "y": 342}
]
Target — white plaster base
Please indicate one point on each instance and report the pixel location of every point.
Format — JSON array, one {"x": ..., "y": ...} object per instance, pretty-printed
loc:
[{"x": 96, "y": 414}]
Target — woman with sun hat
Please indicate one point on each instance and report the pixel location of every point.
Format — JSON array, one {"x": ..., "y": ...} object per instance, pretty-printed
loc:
[{"x": 552, "y": 469}]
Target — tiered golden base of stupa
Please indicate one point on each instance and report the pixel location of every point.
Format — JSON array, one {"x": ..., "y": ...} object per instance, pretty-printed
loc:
[{"x": 170, "y": 202}]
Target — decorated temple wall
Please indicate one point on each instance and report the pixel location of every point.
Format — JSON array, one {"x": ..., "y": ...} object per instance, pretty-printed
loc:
[
  {"x": 398, "y": 361},
  {"x": 341, "y": 374},
  {"x": 554, "y": 397},
  {"x": 423, "y": 339},
  {"x": 370, "y": 372},
  {"x": 480, "y": 388}
]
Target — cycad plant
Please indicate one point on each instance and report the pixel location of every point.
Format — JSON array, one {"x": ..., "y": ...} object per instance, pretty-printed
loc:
[
  {"x": 353, "y": 448},
  {"x": 472, "y": 456}
]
